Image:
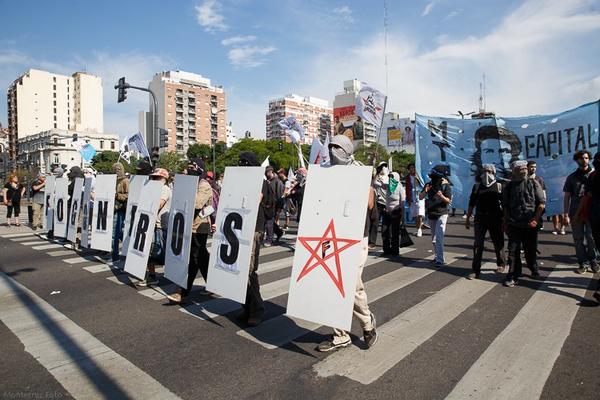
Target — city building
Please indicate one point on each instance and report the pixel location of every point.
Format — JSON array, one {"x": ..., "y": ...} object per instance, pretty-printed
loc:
[
  {"x": 40, "y": 101},
  {"x": 189, "y": 108},
  {"x": 44, "y": 150},
  {"x": 343, "y": 109},
  {"x": 397, "y": 133},
  {"x": 4, "y": 161},
  {"x": 231, "y": 137},
  {"x": 314, "y": 114}
]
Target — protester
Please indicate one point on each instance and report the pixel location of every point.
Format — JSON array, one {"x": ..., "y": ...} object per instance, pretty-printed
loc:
[
  {"x": 592, "y": 212},
  {"x": 585, "y": 248},
  {"x": 414, "y": 186},
  {"x": 201, "y": 227},
  {"x": 559, "y": 225},
  {"x": 438, "y": 195},
  {"x": 121, "y": 196},
  {"x": 394, "y": 211},
  {"x": 74, "y": 173},
  {"x": 523, "y": 202},
  {"x": 341, "y": 153},
  {"x": 12, "y": 193},
  {"x": 297, "y": 190},
  {"x": 486, "y": 199},
  {"x": 380, "y": 186},
  {"x": 281, "y": 201},
  {"x": 157, "y": 250},
  {"x": 37, "y": 201},
  {"x": 275, "y": 192},
  {"x": 143, "y": 168}
]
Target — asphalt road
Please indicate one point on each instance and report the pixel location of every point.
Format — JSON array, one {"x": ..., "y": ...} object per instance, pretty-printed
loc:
[{"x": 76, "y": 327}]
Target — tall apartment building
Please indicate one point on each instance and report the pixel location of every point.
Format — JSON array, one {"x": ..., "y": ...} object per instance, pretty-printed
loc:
[
  {"x": 40, "y": 101},
  {"x": 314, "y": 114},
  {"x": 344, "y": 106},
  {"x": 189, "y": 108}
]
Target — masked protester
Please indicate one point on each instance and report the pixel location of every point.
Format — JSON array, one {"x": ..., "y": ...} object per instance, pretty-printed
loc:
[
  {"x": 486, "y": 199},
  {"x": 380, "y": 185},
  {"x": 585, "y": 249},
  {"x": 523, "y": 202},
  {"x": 414, "y": 185},
  {"x": 394, "y": 209},
  {"x": 121, "y": 196},
  {"x": 341, "y": 153},
  {"x": 201, "y": 227},
  {"x": 438, "y": 195},
  {"x": 591, "y": 213}
]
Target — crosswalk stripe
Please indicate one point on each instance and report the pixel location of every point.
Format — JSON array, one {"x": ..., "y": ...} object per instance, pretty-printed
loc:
[
  {"x": 159, "y": 292},
  {"x": 519, "y": 361},
  {"x": 219, "y": 306},
  {"x": 22, "y": 239},
  {"x": 60, "y": 253},
  {"x": 14, "y": 235},
  {"x": 47, "y": 246},
  {"x": 82, "y": 364},
  {"x": 274, "y": 250},
  {"x": 403, "y": 334},
  {"x": 77, "y": 260},
  {"x": 34, "y": 243},
  {"x": 282, "y": 329},
  {"x": 94, "y": 269}
]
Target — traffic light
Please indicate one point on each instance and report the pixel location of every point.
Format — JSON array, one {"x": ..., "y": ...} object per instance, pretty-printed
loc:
[
  {"x": 122, "y": 87},
  {"x": 163, "y": 140},
  {"x": 280, "y": 146}
]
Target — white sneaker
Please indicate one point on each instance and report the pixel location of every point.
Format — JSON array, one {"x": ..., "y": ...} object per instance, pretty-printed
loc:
[
  {"x": 464, "y": 216},
  {"x": 562, "y": 231},
  {"x": 419, "y": 232}
]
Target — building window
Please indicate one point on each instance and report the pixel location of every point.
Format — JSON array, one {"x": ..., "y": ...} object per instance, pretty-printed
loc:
[
  {"x": 56, "y": 158},
  {"x": 112, "y": 145},
  {"x": 55, "y": 110},
  {"x": 54, "y": 95},
  {"x": 55, "y": 117},
  {"x": 102, "y": 144},
  {"x": 54, "y": 79},
  {"x": 55, "y": 105}
]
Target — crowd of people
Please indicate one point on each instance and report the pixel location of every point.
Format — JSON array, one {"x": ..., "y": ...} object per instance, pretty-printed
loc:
[{"x": 513, "y": 208}]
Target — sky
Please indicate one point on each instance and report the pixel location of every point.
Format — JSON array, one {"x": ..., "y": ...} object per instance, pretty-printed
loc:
[{"x": 538, "y": 56}]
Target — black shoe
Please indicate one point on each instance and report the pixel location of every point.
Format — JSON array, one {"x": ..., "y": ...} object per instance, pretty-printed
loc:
[
  {"x": 328, "y": 345},
  {"x": 371, "y": 336},
  {"x": 597, "y": 296},
  {"x": 535, "y": 274},
  {"x": 254, "y": 320}
]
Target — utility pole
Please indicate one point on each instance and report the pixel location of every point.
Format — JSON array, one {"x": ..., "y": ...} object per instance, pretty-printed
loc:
[{"x": 122, "y": 87}]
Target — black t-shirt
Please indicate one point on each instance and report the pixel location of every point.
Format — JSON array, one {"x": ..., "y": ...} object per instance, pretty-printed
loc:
[
  {"x": 521, "y": 199},
  {"x": 261, "y": 218},
  {"x": 12, "y": 193},
  {"x": 592, "y": 188},
  {"x": 487, "y": 201},
  {"x": 434, "y": 206}
]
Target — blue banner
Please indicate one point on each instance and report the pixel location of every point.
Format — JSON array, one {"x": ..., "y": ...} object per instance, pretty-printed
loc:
[{"x": 464, "y": 145}]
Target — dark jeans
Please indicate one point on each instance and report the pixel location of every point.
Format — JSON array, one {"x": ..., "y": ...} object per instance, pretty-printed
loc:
[
  {"x": 119, "y": 220},
  {"x": 272, "y": 229},
  {"x": 527, "y": 238},
  {"x": 493, "y": 225},
  {"x": 376, "y": 213},
  {"x": 595, "y": 222},
  {"x": 390, "y": 232},
  {"x": 254, "y": 305},
  {"x": 13, "y": 205},
  {"x": 199, "y": 257}
]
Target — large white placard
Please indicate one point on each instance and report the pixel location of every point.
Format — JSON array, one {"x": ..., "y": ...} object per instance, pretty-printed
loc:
[
  {"x": 74, "y": 210},
  {"x": 232, "y": 242},
  {"x": 179, "y": 236},
  {"x": 143, "y": 229},
  {"x": 330, "y": 245},
  {"x": 48, "y": 221},
  {"x": 135, "y": 187},
  {"x": 86, "y": 210},
  {"x": 104, "y": 209},
  {"x": 61, "y": 213}
]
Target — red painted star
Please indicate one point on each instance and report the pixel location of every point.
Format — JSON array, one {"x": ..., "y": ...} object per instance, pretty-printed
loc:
[{"x": 324, "y": 243}]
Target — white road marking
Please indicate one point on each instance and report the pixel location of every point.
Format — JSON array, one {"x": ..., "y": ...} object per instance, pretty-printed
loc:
[{"x": 47, "y": 247}]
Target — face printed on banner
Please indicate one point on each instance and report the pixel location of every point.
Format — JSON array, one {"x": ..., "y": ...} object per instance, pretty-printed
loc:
[{"x": 498, "y": 153}]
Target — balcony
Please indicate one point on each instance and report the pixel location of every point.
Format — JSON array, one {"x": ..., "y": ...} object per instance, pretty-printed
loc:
[
  {"x": 179, "y": 109},
  {"x": 191, "y": 118},
  {"x": 192, "y": 110},
  {"x": 179, "y": 117},
  {"x": 191, "y": 96},
  {"x": 178, "y": 100}
]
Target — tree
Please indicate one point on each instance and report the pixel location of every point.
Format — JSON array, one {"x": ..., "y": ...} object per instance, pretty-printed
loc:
[
  {"x": 171, "y": 161},
  {"x": 366, "y": 153},
  {"x": 203, "y": 151},
  {"x": 103, "y": 162},
  {"x": 400, "y": 160}
]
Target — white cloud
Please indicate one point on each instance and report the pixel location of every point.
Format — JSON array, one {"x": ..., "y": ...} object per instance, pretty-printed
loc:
[
  {"x": 235, "y": 40},
  {"x": 527, "y": 68},
  {"x": 452, "y": 14},
  {"x": 345, "y": 13},
  {"x": 428, "y": 8},
  {"x": 249, "y": 56},
  {"x": 209, "y": 17}
]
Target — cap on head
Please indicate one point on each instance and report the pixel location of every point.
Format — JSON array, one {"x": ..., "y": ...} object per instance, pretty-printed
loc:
[
  {"x": 143, "y": 168},
  {"x": 343, "y": 142},
  {"x": 488, "y": 168},
  {"x": 380, "y": 166},
  {"x": 160, "y": 173}
]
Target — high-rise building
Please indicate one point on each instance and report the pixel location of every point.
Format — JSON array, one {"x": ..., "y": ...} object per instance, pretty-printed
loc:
[
  {"x": 344, "y": 106},
  {"x": 231, "y": 137},
  {"x": 189, "y": 108},
  {"x": 314, "y": 114},
  {"x": 40, "y": 101}
]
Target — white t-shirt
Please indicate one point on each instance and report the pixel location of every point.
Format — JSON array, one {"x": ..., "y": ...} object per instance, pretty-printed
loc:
[{"x": 162, "y": 220}]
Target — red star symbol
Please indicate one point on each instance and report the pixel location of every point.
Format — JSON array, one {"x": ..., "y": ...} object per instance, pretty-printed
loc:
[{"x": 323, "y": 243}]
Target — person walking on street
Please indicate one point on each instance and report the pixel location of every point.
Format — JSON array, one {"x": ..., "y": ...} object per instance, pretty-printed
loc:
[
  {"x": 341, "y": 153},
  {"x": 380, "y": 185},
  {"x": 438, "y": 195},
  {"x": 486, "y": 199},
  {"x": 37, "y": 201},
  {"x": 592, "y": 214},
  {"x": 574, "y": 190},
  {"x": 121, "y": 196},
  {"x": 275, "y": 187},
  {"x": 414, "y": 185},
  {"x": 394, "y": 210},
  {"x": 12, "y": 193},
  {"x": 523, "y": 203}
]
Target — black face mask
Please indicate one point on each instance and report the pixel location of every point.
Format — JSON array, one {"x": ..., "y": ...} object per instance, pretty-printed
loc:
[
  {"x": 195, "y": 172},
  {"x": 596, "y": 164}
]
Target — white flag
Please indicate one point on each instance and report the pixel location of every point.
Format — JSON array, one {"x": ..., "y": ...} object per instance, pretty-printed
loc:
[
  {"x": 292, "y": 128},
  {"x": 390, "y": 165},
  {"x": 125, "y": 152},
  {"x": 315, "y": 150},
  {"x": 136, "y": 143},
  {"x": 290, "y": 174},
  {"x": 265, "y": 163},
  {"x": 370, "y": 105},
  {"x": 324, "y": 159}
]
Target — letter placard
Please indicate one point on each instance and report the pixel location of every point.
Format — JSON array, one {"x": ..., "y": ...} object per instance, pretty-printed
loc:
[
  {"x": 143, "y": 229},
  {"x": 179, "y": 235},
  {"x": 48, "y": 220},
  {"x": 135, "y": 186},
  {"x": 74, "y": 210},
  {"x": 232, "y": 242},
  {"x": 61, "y": 197},
  {"x": 86, "y": 209},
  {"x": 104, "y": 208}
]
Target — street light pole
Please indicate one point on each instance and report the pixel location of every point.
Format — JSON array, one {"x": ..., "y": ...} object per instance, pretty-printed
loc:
[
  {"x": 156, "y": 129},
  {"x": 214, "y": 111}
]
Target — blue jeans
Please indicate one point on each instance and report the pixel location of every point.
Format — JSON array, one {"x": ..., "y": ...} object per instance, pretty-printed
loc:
[
  {"x": 119, "y": 221},
  {"x": 585, "y": 248}
]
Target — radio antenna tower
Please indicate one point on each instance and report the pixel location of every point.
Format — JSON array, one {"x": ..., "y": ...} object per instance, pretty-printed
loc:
[{"x": 385, "y": 28}]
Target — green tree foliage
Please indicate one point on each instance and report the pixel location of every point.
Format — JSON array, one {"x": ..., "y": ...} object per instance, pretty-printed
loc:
[
  {"x": 103, "y": 162},
  {"x": 369, "y": 153},
  {"x": 172, "y": 161},
  {"x": 400, "y": 160}
]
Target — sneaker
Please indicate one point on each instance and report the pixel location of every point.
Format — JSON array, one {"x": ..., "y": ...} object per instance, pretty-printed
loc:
[
  {"x": 175, "y": 298},
  {"x": 535, "y": 274},
  {"x": 370, "y": 337},
  {"x": 438, "y": 264},
  {"x": 329, "y": 345},
  {"x": 562, "y": 231},
  {"x": 149, "y": 281},
  {"x": 555, "y": 232},
  {"x": 464, "y": 216},
  {"x": 254, "y": 320},
  {"x": 500, "y": 269},
  {"x": 597, "y": 295},
  {"x": 581, "y": 270},
  {"x": 267, "y": 244},
  {"x": 595, "y": 267},
  {"x": 510, "y": 283},
  {"x": 419, "y": 232},
  {"x": 472, "y": 276}
]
